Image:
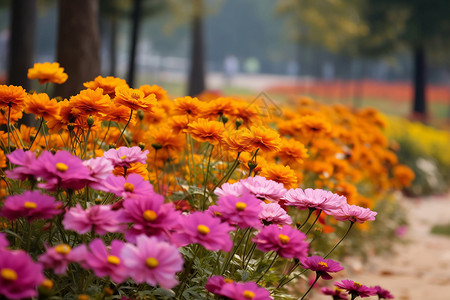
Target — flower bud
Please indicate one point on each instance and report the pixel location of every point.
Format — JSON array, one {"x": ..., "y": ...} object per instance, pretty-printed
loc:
[
  {"x": 156, "y": 146},
  {"x": 224, "y": 119},
  {"x": 90, "y": 121},
  {"x": 140, "y": 114},
  {"x": 238, "y": 123},
  {"x": 112, "y": 146}
]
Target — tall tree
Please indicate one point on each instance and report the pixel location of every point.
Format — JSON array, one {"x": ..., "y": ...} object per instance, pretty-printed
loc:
[
  {"x": 78, "y": 48},
  {"x": 21, "y": 47},
  {"x": 196, "y": 83}
]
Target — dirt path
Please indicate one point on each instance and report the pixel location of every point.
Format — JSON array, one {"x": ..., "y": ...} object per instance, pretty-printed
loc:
[{"x": 419, "y": 269}]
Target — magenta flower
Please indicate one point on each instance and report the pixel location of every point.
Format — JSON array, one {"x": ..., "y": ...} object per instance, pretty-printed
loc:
[
  {"x": 131, "y": 187},
  {"x": 19, "y": 275},
  {"x": 124, "y": 156},
  {"x": 149, "y": 215},
  {"x": 228, "y": 189},
  {"x": 99, "y": 169},
  {"x": 236, "y": 290},
  {"x": 59, "y": 257},
  {"x": 30, "y": 205},
  {"x": 215, "y": 283},
  {"x": 99, "y": 218},
  {"x": 242, "y": 211},
  {"x": 264, "y": 189},
  {"x": 62, "y": 170},
  {"x": 336, "y": 293},
  {"x": 106, "y": 261},
  {"x": 272, "y": 213},
  {"x": 286, "y": 241},
  {"x": 203, "y": 229},
  {"x": 3, "y": 241},
  {"x": 25, "y": 160},
  {"x": 321, "y": 266},
  {"x": 353, "y": 213},
  {"x": 382, "y": 293},
  {"x": 152, "y": 261},
  {"x": 314, "y": 199},
  {"x": 355, "y": 288}
]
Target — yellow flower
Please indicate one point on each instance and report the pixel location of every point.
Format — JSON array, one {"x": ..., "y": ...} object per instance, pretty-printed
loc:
[{"x": 47, "y": 72}]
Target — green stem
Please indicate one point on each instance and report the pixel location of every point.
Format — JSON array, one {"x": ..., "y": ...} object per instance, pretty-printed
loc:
[
  {"x": 312, "y": 225},
  {"x": 205, "y": 181},
  {"x": 86, "y": 142},
  {"x": 106, "y": 133},
  {"x": 310, "y": 210},
  {"x": 317, "y": 278},
  {"x": 9, "y": 120},
  {"x": 343, "y": 237},
  {"x": 229, "y": 172},
  {"x": 268, "y": 268},
  {"x": 126, "y": 125}
]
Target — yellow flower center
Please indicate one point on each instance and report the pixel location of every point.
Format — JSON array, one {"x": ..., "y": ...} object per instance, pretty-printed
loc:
[
  {"x": 249, "y": 294},
  {"x": 283, "y": 238},
  {"x": 63, "y": 249},
  {"x": 241, "y": 206},
  {"x": 83, "y": 297},
  {"x": 149, "y": 215},
  {"x": 357, "y": 284},
  {"x": 47, "y": 284},
  {"x": 123, "y": 157},
  {"x": 203, "y": 229},
  {"x": 62, "y": 167},
  {"x": 151, "y": 262},
  {"x": 228, "y": 280},
  {"x": 266, "y": 201},
  {"x": 8, "y": 274},
  {"x": 135, "y": 96},
  {"x": 29, "y": 205},
  {"x": 218, "y": 214},
  {"x": 114, "y": 260},
  {"x": 323, "y": 264},
  {"x": 129, "y": 187}
]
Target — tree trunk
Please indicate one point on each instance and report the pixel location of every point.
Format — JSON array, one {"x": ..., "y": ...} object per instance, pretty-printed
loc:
[
  {"x": 134, "y": 40},
  {"x": 113, "y": 46},
  {"x": 197, "y": 71},
  {"x": 21, "y": 47},
  {"x": 78, "y": 44},
  {"x": 419, "y": 107}
]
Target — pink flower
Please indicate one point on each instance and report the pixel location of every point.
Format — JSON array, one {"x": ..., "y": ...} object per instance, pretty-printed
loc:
[
  {"x": 61, "y": 170},
  {"x": 336, "y": 293},
  {"x": 321, "y": 266},
  {"x": 149, "y": 215},
  {"x": 25, "y": 160},
  {"x": 19, "y": 275},
  {"x": 99, "y": 218},
  {"x": 59, "y": 257},
  {"x": 131, "y": 187},
  {"x": 152, "y": 261},
  {"x": 353, "y": 213},
  {"x": 242, "y": 211},
  {"x": 236, "y": 290},
  {"x": 106, "y": 261},
  {"x": 382, "y": 293},
  {"x": 315, "y": 199},
  {"x": 356, "y": 288},
  {"x": 125, "y": 156},
  {"x": 99, "y": 169},
  {"x": 272, "y": 213},
  {"x": 203, "y": 229},
  {"x": 286, "y": 241},
  {"x": 3, "y": 241},
  {"x": 215, "y": 283},
  {"x": 228, "y": 189},
  {"x": 30, "y": 205}
]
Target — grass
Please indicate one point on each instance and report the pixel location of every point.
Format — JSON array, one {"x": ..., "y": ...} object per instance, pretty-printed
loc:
[{"x": 443, "y": 229}]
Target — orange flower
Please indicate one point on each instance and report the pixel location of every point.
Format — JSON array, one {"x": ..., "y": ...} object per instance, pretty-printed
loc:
[
  {"x": 404, "y": 175},
  {"x": 13, "y": 96},
  {"x": 263, "y": 138},
  {"x": 292, "y": 151},
  {"x": 47, "y": 72},
  {"x": 281, "y": 174},
  {"x": 204, "y": 130},
  {"x": 188, "y": 106},
  {"x": 248, "y": 113},
  {"x": 41, "y": 106},
  {"x": 159, "y": 92},
  {"x": 119, "y": 114},
  {"x": 219, "y": 107},
  {"x": 234, "y": 141},
  {"x": 108, "y": 84},
  {"x": 15, "y": 115},
  {"x": 244, "y": 159},
  {"x": 167, "y": 139},
  {"x": 2, "y": 159},
  {"x": 90, "y": 102},
  {"x": 178, "y": 123},
  {"x": 135, "y": 168},
  {"x": 134, "y": 98}
]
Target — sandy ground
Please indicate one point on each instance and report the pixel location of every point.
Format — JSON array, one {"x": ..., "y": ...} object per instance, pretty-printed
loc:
[{"x": 417, "y": 270}]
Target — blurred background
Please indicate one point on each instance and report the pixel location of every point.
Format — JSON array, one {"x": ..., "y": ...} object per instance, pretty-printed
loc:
[{"x": 390, "y": 54}]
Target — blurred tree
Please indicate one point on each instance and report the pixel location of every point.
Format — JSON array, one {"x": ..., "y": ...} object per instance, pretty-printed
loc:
[
  {"x": 78, "y": 44},
  {"x": 196, "y": 83},
  {"x": 21, "y": 45}
]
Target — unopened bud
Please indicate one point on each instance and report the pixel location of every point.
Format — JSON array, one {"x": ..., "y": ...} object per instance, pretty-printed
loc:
[
  {"x": 156, "y": 146},
  {"x": 142, "y": 146},
  {"x": 70, "y": 126},
  {"x": 252, "y": 164},
  {"x": 53, "y": 151},
  {"x": 90, "y": 121},
  {"x": 140, "y": 114},
  {"x": 224, "y": 119},
  {"x": 238, "y": 123},
  {"x": 112, "y": 146}
]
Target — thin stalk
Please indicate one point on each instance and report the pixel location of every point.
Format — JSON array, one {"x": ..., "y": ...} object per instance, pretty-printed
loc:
[
  {"x": 310, "y": 210},
  {"x": 343, "y": 237},
  {"x": 315, "y": 280},
  {"x": 205, "y": 181},
  {"x": 229, "y": 172},
  {"x": 312, "y": 225},
  {"x": 106, "y": 133},
  {"x": 268, "y": 268},
  {"x": 120, "y": 136},
  {"x": 86, "y": 142},
  {"x": 9, "y": 119}
]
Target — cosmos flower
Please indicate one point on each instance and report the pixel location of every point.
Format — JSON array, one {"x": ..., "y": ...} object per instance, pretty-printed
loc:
[
  {"x": 382, "y": 293},
  {"x": 355, "y": 288},
  {"x": 124, "y": 156},
  {"x": 336, "y": 293},
  {"x": 47, "y": 72},
  {"x": 99, "y": 169},
  {"x": 19, "y": 275},
  {"x": 314, "y": 198},
  {"x": 236, "y": 290},
  {"x": 286, "y": 241},
  {"x": 203, "y": 229},
  {"x": 353, "y": 213},
  {"x": 3, "y": 241},
  {"x": 59, "y": 257},
  {"x": 152, "y": 261},
  {"x": 264, "y": 189},
  {"x": 242, "y": 211},
  {"x": 24, "y": 160},
  {"x": 272, "y": 213},
  {"x": 30, "y": 205},
  {"x": 98, "y": 218},
  {"x": 131, "y": 187},
  {"x": 321, "y": 266},
  {"x": 106, "y": 261}
]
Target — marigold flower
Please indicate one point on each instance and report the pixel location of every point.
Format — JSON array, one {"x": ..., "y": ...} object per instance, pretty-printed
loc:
[
  {"x": 90, "y": 102},
  {"x": 47, "y": 72},
  {"x": 281, "y": 174},
  {"x": 134, "y": 98},
  {"x": 159, "y": 92},
  {"x": 248, "y": 113},
  {"x": 107, "y": 84},
  {"x": 41, "y": 105},
  {"x": 263, "y": 138},
  {"x": 12, "y": 96},
  {"x": 178, "y": 123},
  {"x": 204, "y": 130},
  {"x": 292, "y": 152},
  {"x": 119, "y": 114},
  {"x": 404, "y": 175},
  {"x": 219, "y": 107},
  {"x": 188, "y": 106},
  {"x": 235, "y": 141}
]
